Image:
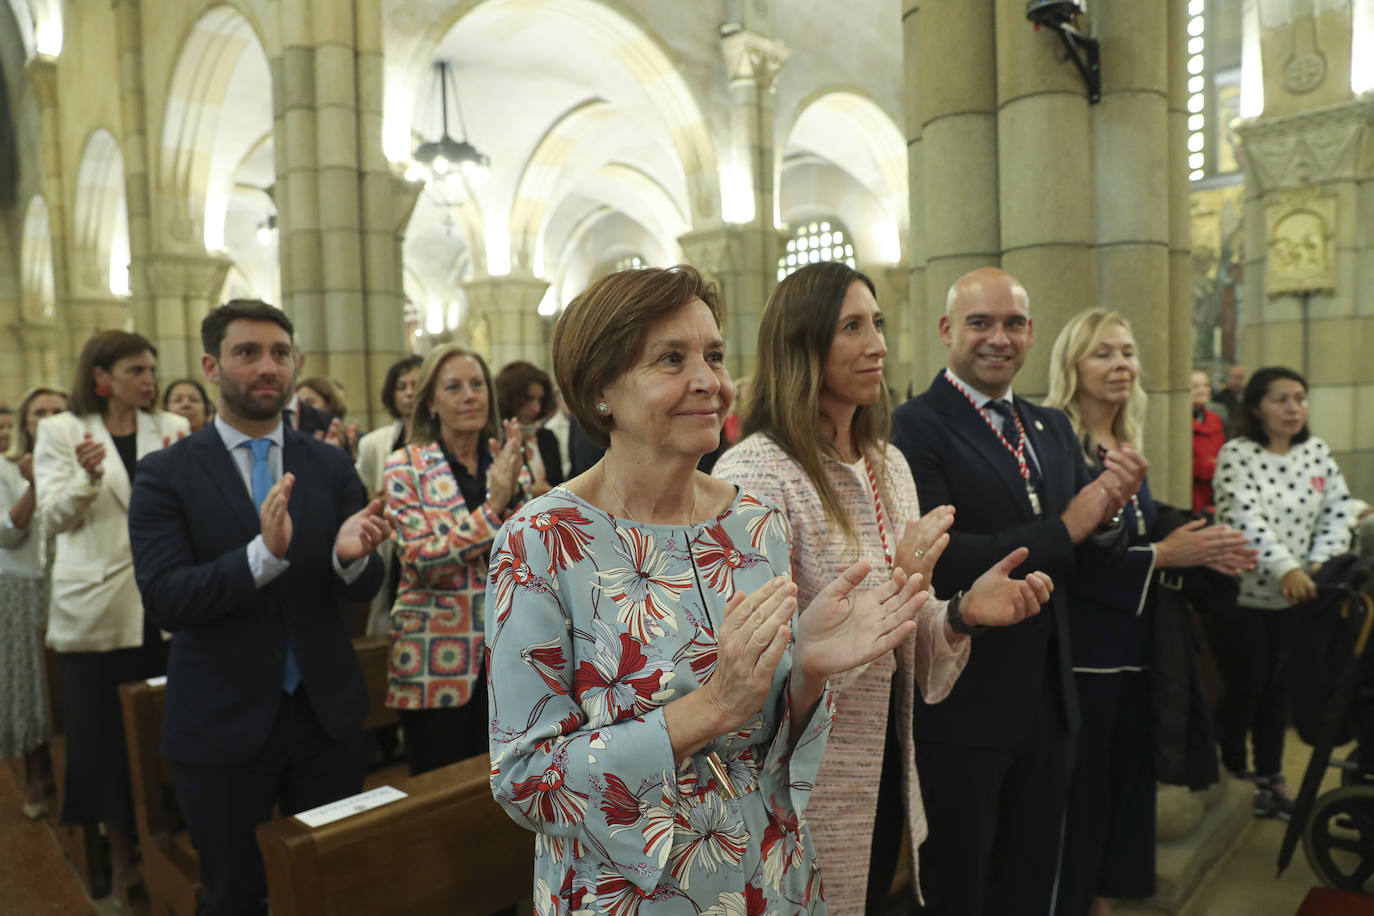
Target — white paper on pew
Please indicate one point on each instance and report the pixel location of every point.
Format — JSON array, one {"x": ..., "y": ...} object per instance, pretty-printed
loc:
[
  {"x": 156, "y": 681},
  {"x": 346, "y": 807}
]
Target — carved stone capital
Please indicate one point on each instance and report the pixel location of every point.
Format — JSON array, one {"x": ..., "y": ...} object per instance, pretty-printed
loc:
[
  {"x": 751, "y": 57},
  {"x": 190, "y": 276},
  {"x": 41, "y": 72},
  {"x": 34, "y": 335},
  {"x": 1306, "y": 148}
]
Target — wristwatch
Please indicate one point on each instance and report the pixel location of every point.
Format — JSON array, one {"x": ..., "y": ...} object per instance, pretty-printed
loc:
[{"x": 956, "y": 619}]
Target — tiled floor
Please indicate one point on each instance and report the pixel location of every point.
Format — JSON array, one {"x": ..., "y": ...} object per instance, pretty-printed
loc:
[{"x": 1245, "y": 882}]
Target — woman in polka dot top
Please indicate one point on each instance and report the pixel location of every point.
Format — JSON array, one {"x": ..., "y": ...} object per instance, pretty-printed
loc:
[{"x": 1278, "y": 484}]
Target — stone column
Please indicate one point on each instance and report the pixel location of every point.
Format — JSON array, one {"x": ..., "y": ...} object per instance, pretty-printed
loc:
[
  {"x": 387, "y": 201},
  {"x": 182, "y": 289},
  {"x": 508, "y": 306},
  {"x": 1309, "y": 189},
  {"x": 137, "y": 187},
  {"x": 39, "y": 355},
  {"x": 742, "y": 257},
  {"x": 742, "y": 262},
  {"x": 41, "y": 72},
  {"x": 339, "y": 206},
  {"x": 951, "y": 71},
  {"x": 1045, "y": 180},
  {"x": 1136, "y": 179}
]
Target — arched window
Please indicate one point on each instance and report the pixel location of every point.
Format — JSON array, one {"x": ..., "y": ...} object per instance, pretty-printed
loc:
[
  {"x": 816, "y": 241},
  {"x": 629, "y": 262}
]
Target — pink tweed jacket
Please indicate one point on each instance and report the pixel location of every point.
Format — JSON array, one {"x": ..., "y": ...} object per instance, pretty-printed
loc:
[{"x": 844, "y": 803}]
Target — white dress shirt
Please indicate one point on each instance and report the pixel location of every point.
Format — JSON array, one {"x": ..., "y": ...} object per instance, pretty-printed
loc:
[
  {"x": 264, "y": 564},
  {"x": 981, "y": 401}
]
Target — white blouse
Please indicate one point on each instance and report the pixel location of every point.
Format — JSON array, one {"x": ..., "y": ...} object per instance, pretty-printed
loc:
[
  {"x": 1294, "y": 508},
  {"x": 19, "y": 548}
]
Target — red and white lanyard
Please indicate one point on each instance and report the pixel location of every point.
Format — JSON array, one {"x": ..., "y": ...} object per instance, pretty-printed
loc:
[
  {"x": 878, "y": 512},
  {"x": 1019, "y": 452}
]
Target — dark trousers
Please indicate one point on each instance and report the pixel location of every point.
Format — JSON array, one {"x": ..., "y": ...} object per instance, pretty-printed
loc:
[
  {"x": 995, "y": 817},
  {"x": 1109, "y": 829},
  {"x": 1253, "y": 651},
  {"x": 299, "y": 767},
  {"x": 447, "y": 734},
  {"x": 96, "y": 789}
]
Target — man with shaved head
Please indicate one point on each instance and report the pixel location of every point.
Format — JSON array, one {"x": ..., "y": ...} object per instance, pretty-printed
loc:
[{"x": 994, "y": 757}]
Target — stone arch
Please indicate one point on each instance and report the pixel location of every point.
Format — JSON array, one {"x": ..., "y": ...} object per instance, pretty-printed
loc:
[
  {"x": 100, "y": 219},
  {"x": 40, "y": 25},
  {"x": 539, "y": 181},
  {"x": 217, "y": 126},
  {"x": 617, "y": 36},
  {"x": 37, "y": 286},
  {"x": 848, "y": 130}
]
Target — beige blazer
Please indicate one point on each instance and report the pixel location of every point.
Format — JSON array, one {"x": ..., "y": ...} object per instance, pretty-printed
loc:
[{"x": 95, "y": 603}]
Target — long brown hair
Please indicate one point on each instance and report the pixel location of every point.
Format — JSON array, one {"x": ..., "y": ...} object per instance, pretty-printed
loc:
[{"x": 795, "y": 335}]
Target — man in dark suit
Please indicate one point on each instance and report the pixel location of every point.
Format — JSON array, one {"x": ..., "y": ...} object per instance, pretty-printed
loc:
[
  {"x": 245, "y": 535},
  {"x": 994, "y": 757}
]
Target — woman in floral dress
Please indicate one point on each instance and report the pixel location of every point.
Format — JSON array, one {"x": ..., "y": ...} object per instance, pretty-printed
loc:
[{"x": 653, "y": 718}]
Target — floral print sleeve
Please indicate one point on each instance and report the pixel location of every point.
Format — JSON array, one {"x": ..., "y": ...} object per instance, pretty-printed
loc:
[{"x": 595, "y": 623}]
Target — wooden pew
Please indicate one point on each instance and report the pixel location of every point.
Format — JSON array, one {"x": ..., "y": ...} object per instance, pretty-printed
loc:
[
  {"x": 170, "y": 867},
  {"x": 445, "y": 848}
]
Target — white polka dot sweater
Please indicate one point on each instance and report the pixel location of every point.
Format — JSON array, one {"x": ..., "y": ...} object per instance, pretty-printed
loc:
[{"x": 1292, "y": 507}]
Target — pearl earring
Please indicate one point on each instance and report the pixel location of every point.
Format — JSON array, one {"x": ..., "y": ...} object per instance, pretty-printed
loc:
[{"x": 603, "y": 408}]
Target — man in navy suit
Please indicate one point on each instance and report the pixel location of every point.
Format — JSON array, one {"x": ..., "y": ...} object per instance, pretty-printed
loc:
[
  {"x": 994, "y": 757},
  {"x": 245, "y": 535}
]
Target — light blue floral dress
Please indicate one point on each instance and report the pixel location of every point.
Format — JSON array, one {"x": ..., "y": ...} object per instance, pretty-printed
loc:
[{"x": 594, "y": 623}]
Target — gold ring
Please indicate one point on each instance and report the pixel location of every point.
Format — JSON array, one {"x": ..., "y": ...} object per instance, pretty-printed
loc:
[{"x": 920, "y": 554}]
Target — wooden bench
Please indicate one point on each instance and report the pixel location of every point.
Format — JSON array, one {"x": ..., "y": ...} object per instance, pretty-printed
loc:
[
  {"x": 445, "y": 848},
  {"x": 170, "y": 867}
]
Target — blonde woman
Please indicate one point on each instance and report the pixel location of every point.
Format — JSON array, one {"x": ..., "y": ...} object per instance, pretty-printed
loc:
[
  {"x": 451, "y": 489},
  {"x": 849, "y": 496},
  {"x": 1109, "y": 837}
]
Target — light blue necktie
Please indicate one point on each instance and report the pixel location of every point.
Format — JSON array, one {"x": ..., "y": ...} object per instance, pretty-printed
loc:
[{"x": 262, "y": 483}]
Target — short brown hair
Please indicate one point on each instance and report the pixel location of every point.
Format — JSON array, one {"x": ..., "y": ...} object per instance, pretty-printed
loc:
[
  {"x": 513, "y": 387},
  {"x": 424, "y": 426},
  {"x": 603, "y": 331},
  {"x": 104, "y": 349}
]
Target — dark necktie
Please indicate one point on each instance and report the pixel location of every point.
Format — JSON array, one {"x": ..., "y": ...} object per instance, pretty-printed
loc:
[{"x": 1012, "y": 433}]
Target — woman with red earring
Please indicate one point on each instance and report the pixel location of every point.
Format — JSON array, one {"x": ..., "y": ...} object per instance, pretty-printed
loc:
[{"x": 84, "y": 466}]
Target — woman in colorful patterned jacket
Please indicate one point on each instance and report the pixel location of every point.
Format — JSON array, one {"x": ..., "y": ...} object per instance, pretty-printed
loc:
[
  {"x": 657, "y": 718},
  {"x": 450, "y": 488},
  {"x": 848, "y": 494}
]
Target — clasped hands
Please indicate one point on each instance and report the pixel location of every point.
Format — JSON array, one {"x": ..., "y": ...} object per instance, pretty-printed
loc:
[
  {"x": 359, "y": 535},
  {"x": 1123, "y": 471}
]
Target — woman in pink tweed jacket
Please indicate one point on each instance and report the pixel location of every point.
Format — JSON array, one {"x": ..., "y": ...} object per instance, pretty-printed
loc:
[{"x": 816, "y": 446}]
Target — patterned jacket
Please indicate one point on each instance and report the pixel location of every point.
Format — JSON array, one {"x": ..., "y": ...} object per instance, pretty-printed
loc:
[{"x": 437, "y": 622}]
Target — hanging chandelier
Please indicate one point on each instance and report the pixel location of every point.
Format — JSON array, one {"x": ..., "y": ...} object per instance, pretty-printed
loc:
[{"x": 446, "y": 159}]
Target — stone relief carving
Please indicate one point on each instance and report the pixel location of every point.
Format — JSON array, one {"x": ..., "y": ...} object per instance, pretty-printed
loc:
[
  {"x": 1304, "y": 72},
  {"x": 1301, "y": 255},
  {"x": 1300, "y": 149}
]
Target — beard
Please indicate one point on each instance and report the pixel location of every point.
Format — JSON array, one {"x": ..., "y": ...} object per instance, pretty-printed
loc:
[{"x": 245, "y": 405}]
